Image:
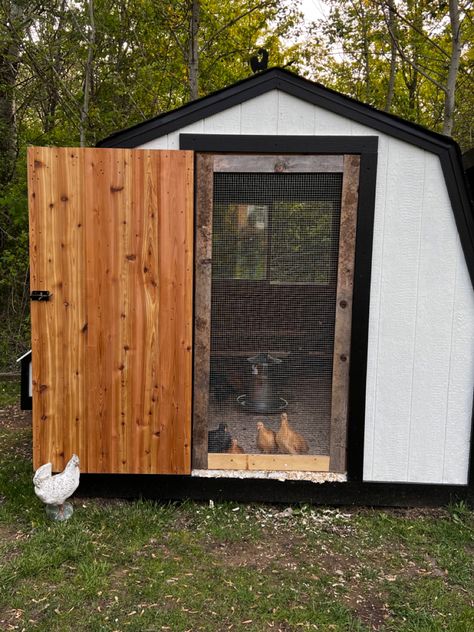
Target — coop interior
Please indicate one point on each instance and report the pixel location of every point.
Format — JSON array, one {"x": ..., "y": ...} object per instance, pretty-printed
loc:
[{"x": 275, "y": 244}]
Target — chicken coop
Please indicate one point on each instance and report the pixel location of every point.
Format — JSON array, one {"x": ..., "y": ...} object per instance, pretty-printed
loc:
[{"x": 266, "y": 293}]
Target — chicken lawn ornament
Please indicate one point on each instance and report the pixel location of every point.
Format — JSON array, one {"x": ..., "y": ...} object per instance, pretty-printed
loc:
[{"x": 53, "y": 490}]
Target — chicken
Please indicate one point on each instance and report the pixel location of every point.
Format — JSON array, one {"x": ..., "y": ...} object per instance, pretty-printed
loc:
[
  {"x": 265, "y": 439},
  {"x": 235, "y": 448},
  {"x": 55, "y": 489},
  {"x": 288, "y": 440},
  {"x": 219, "y": 439}
]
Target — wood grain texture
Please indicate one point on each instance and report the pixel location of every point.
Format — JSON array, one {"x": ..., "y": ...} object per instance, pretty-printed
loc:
[
  {"x": 269, "y": 462},
  {"x": 111, "y": 237},
  {"x": 202, "y": 319},
  {"x": 285, "y": 163},
  {"x": 342, "y": 332}
]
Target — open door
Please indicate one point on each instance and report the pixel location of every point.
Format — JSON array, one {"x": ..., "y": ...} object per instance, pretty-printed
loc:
[
  {"x": 111, "y": 236},
  {"x": 275, "y": 248}
]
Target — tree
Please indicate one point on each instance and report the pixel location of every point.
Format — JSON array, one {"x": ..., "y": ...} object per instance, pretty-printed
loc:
[
  {"x": 407, "y": 57},
  {"x": 73, "y": 72}
]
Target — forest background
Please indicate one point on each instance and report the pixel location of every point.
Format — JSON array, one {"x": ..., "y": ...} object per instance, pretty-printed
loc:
[{"x": 73, "y": 71}]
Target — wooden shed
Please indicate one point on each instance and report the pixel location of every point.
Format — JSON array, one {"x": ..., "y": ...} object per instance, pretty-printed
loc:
[{"x": 274, "y": 253}]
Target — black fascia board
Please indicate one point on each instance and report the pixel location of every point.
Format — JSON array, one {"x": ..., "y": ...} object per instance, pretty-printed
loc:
[{"x": 286, "y": 81}]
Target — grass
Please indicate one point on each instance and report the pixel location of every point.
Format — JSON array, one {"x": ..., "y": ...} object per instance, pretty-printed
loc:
[
  {"x": 138, "y": 566},
  {"x": 9, "y": 393}
]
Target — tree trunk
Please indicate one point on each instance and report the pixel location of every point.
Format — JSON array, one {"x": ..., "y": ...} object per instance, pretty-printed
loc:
[
  {"x": 456, "y": 46},
  {"x": 9, "y": 61},
  {"x": 88, "y": 75},
  {"x": 193, "y": 54},
  {"x": 393, "y": 56}
]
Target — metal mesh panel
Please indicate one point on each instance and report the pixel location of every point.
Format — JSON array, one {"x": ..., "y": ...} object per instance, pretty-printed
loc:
[{"x": 274, "y": 272}]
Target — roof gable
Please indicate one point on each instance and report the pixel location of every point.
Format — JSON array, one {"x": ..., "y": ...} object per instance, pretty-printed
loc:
[
  {"x": 279, "y": 79},
  {"x": 286, "y": 81}
]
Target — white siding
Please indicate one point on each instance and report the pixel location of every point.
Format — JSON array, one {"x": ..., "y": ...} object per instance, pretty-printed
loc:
[{"x": 420, "y": 371}]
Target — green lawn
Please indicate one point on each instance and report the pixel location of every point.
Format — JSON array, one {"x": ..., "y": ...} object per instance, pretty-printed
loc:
[{"x": 142, "y": 566}]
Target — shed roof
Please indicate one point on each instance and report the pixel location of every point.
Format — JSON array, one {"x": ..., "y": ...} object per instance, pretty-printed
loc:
[{"x": 317, "y": 94}]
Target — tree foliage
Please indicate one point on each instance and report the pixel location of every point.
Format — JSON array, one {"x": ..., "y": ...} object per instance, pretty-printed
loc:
[
  {"x": 411, "y": 44},
  {"x": 71, "y": 72}
]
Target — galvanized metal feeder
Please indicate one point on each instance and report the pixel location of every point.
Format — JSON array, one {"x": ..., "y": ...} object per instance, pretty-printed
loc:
[{"x": 262, "y": 397}]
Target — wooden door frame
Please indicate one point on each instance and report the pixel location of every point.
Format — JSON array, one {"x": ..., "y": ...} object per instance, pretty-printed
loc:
[{"x": 206, "y": 165}]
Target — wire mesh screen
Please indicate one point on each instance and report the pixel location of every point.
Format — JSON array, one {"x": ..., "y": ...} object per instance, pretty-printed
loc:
[{"x": 275, "y": 247}]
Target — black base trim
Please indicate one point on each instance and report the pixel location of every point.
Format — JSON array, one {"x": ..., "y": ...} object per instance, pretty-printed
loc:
[{"x": 169, "y": 488}]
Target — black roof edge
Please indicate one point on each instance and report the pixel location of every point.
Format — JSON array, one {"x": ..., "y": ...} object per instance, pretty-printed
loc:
[{"x": 281, "y": 79}]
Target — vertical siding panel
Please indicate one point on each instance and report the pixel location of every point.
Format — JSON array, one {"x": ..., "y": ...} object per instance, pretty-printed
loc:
[
  {"x": 157, "y": 143},
  {"x": 436, "y": 280},
  {"x": 461, "y": 378},
  {"x": 194, "y": 128},
  {"x": 294, "y": 116},
  {"x": 260, "y": 115},
  {"x": 398, "y": 306},
  {"x": 329, "y": 124},
  {"x": 375, "y": 307},
  {"x": 226, "y": 122}
]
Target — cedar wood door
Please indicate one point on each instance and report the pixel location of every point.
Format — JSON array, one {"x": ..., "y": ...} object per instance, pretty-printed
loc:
[{"x": 111, "y": 234}]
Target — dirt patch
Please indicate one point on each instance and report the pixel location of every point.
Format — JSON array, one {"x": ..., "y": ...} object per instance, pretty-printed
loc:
[
  {"x": 279, "y": 550},
  {"x": 13, "y": 418},
  {"x": 249, "y": 555},
  {"x": 371, "y": 610}
]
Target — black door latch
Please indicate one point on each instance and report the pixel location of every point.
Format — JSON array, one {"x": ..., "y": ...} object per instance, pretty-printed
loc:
[{"x": 40, "y": 295}]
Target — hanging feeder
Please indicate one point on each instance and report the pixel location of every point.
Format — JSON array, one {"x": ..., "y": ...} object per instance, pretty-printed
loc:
[{"x": 262, "y": 397}]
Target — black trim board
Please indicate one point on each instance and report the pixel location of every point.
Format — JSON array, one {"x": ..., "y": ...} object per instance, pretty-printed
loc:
[
  {"x": 366, "y": 147},
  {"x": 26, "y": 402},
  {"x": 166, "y": 488},
  {"x": 233, "y": 143},
  {"x": 281, "y": 79}
]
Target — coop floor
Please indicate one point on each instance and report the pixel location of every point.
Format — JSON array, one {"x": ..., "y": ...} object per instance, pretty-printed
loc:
[{"x": 309, "y": 410}]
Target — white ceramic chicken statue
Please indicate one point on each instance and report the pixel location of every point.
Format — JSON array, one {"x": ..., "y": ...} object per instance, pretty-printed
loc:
[{"x": 54, "y": 490}]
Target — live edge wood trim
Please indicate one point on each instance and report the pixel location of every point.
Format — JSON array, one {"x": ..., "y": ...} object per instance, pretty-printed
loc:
[
  {"x": 343, "y": 308},
  {"x": 202, "y": 307}
]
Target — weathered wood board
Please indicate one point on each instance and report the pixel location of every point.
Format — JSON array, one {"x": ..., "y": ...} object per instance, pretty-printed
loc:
[
  {"x": 111, "y": 237},
  {"x": 271, "y": 462},
  {"x": 342, "y": 334}
]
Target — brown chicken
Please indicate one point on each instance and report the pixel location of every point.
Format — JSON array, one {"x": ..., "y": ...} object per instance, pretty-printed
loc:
[
  {"x": 288, "y": 440},
  {"x": 235, "y": 448},
  {"x": 265, "y": 439}
]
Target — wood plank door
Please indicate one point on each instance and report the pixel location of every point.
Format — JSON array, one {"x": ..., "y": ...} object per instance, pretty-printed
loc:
[{"x": 111, "y": 235}]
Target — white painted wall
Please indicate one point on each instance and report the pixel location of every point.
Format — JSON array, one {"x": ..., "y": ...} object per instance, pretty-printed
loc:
[{"x": 420, "y": 372}]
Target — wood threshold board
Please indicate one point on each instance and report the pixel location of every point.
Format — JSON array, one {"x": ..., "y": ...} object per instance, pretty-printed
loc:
[{"x": 277, "y": 462}]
